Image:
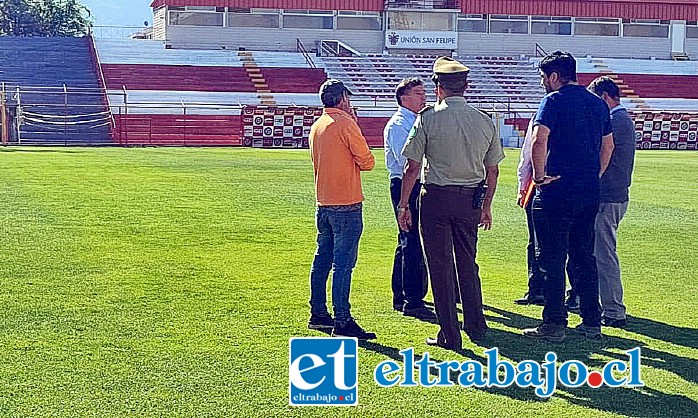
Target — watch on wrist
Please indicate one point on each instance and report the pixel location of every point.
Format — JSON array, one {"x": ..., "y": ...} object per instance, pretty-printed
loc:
[
  {"x": 402, "y": 208},
  {"x": 539, "y": 181}
]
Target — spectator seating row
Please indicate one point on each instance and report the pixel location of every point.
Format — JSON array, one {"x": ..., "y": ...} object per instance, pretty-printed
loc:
[{"x": 492, "y": 79}]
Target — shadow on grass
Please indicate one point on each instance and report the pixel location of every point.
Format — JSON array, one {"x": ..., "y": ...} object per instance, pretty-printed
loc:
[
  {"x": 512, "y": 392},
  {"x": 681, "y": 366},
  {"x": 518, "y": 348},
  {"x": 642, "y": 402},
  {"x": 687, "y": 337},
  {"x": 637, "y": 402}
]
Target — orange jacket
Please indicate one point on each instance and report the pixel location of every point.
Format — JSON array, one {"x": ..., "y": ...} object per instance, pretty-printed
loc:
[{"x": 339, "y": 153}]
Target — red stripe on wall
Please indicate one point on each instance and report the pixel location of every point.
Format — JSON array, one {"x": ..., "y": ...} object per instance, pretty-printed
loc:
[
  {"x": 178, "y": 130},
  {"x": 628, "y": 9},
  {"x": 359, "y": 5}
]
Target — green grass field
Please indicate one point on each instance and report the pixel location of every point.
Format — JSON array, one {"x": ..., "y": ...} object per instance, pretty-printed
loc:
[{"x": 167, "y": 282}]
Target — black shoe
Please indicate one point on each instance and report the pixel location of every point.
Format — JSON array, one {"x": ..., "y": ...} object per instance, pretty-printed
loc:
[
  {"x": 615, "y": 323},
  {"x": 549, "y": 332},
  {"x": 398, "y": 305},
  {"x": 352, "y": 329},
  {"x": 321, "y": 322},
  {"x": 422, "y": 312},
  {"x": 477, "y": 337},
  {"x": 592, "y": 333},
  {"x": 527, "y": 299}
]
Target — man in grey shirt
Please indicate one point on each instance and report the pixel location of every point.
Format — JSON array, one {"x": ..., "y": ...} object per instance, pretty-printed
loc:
[{"x": 613, "y": 203}]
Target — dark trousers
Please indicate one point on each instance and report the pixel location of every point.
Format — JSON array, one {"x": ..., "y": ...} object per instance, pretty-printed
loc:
[
  {"x": 564, "y": 225},
  {"x": 536, "y": 279},
  {"x": 409, "y": 280},
  {"x": 449, "y": 225}
]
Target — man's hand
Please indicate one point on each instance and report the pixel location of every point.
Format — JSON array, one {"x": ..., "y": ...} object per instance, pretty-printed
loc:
[
  {"x": 547, "y": 180},
  {"x": 346, "y": 107},
  {"x": 404, "y": 219},
  {"x": 486, "y": 219},
  {"x": 520, "y": 197},
  {"x": 354, "y": 115}
]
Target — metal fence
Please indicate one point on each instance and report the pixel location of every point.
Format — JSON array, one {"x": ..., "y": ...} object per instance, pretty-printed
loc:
[{"x": 51, "y": 114}]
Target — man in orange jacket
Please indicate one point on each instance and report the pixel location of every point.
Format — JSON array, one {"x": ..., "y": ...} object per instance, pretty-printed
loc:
[{"x": 339, "y": 153}]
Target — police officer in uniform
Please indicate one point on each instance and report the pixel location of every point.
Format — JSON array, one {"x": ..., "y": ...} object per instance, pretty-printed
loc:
[{"x": 458, "y": 150}]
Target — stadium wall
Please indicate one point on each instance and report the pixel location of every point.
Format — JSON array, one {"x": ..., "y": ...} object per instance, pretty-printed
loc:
[
  {"x": 159, "y": 26},
  {"x": 600, "y": 46},
  {"x": 264, "y": 39}
]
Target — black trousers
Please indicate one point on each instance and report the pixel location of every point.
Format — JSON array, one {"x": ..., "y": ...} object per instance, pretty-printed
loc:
[
  {"x": 409, "y": 281},
  {"x": 536, "y": 278},
  {"x": 564, "y": 222},
  {"x": 449, "y": 226}
]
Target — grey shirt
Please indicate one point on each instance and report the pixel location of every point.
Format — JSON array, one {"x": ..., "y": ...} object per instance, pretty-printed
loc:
[
  {"x": 617, "y": 178},
  {"x": 456, "y": 141}
]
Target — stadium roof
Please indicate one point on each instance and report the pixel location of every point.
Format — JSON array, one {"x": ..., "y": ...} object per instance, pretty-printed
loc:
[{"x": 627, "y": 9}]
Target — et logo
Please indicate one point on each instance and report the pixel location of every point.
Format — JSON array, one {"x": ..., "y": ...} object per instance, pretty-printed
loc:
[{"x": 323, "y": 371}]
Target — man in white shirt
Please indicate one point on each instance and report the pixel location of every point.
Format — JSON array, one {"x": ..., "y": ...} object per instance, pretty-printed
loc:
[
  {"x": 534, "y": 296},
  {"x": 409, "y": 279}
]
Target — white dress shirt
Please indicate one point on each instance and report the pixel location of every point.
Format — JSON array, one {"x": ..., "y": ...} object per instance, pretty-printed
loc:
[{"x": 525, "y": 170}]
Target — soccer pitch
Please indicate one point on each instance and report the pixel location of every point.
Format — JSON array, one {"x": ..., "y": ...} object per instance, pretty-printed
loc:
[{"x": 167, "y": 282}]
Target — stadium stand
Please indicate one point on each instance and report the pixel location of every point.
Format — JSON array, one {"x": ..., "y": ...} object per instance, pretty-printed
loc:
[
  {"x": 494, "y": 80},
  {"x": 150, "y": 94},
  {"x": 200, "y": 84},
  {"x": 179, "y": 82},
  {"x": 294, "y": 80},
  {"x": 207, "y": 61},
  {"x": 177, "y": 78},
  {"x": 647, "y": 84},
  {"x": 205, "y": 71},
  {"x": 56, "y": 82}
]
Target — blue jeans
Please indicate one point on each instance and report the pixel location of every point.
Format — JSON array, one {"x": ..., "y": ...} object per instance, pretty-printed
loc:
[{"x": 339, "y": 230}]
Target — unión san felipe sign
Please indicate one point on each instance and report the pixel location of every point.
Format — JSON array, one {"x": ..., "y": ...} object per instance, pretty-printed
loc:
[{"x": 421, "y": 40}]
